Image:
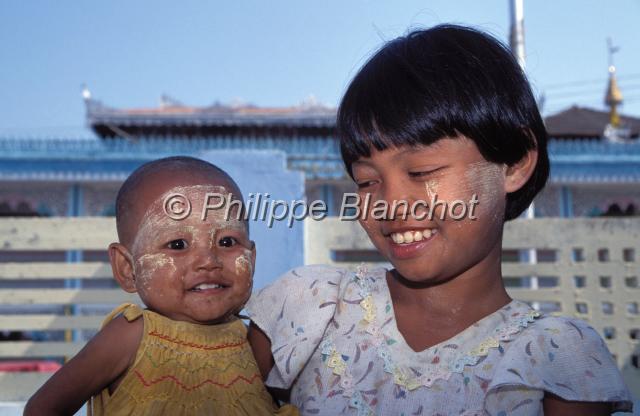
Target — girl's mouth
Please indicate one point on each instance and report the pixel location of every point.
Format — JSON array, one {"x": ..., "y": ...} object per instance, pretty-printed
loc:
[
  {"x": 409, "y": 244},
  {"x": 408, "y": 237}
]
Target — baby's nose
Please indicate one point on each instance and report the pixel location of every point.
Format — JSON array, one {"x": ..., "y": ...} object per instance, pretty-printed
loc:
[{"x": 207, "y": 258}]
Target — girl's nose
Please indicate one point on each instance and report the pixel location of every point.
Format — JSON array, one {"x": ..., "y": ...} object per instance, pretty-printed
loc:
[{"x": 397, "y": 198}]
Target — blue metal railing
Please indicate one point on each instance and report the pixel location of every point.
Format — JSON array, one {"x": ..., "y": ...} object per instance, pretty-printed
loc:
[
  {"x": 124, "y": 148},
  {"x": 66, "y": 147},
  {"x": 318, "y": 157}
]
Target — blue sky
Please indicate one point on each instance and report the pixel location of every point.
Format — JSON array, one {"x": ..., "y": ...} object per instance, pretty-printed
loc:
[{"x": 274, "y": 53}]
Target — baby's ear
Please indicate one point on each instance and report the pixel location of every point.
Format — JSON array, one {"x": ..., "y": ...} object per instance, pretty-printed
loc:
[
  {"x": 519, "y": 173},
  {"x": 122, "y": 267}
]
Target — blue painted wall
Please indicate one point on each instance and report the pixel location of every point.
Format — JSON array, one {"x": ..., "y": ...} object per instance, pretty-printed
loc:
[{"x": 278, "y": 248}]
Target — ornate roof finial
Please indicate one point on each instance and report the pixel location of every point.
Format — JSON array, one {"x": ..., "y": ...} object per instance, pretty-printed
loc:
[
  {"x": 86, "y": 94},
  {"x": 614, "y": 131},
  {"x": 613, "y": 97}
]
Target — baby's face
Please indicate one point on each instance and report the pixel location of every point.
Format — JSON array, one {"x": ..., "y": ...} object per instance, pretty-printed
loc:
[{"x": 193, "y": 269}]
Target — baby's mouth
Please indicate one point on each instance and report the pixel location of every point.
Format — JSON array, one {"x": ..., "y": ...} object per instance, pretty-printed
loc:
[{"x": 207, "y": 286}]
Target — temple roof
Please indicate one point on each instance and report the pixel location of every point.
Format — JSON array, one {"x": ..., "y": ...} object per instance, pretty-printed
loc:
[
  {"x": 308, "y": 119},
  {"x": 580, "y": 122},
  {"x": 172, "y": 118}
]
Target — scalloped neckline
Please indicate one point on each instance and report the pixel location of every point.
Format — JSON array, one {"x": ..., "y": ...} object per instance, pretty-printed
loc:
[{"x": 485, "y": 321}]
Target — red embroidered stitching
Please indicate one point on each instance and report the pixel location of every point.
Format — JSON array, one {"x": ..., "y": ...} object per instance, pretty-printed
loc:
[
  {"x": 207, "y": 381},
  {"x": 199, "y": 346}
]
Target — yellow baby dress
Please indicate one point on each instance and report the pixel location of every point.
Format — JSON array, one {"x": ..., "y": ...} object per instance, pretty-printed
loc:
[{"x": 188, "y": 369}]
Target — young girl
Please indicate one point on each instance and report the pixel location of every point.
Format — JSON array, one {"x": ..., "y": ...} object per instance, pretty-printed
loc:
[
  {"x": 443, "y": 112},
  {"x": 187, "y": 354}
]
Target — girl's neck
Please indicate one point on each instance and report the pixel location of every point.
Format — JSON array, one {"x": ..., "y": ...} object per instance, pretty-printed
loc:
[
  {"x": 427, "y": 316},
  {"x": 467, "y": 297}
]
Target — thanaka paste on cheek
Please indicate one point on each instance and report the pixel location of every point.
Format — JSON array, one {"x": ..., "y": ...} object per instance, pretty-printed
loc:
[
  {"x": 243, "y": 265},
  {"x": 486, "y": 180},
  {"x": 432, "y": 186},
  {"x": 148, "y": 265},
  {"x": 149, "y": 262},
  {"x": 244, "y": 270}
]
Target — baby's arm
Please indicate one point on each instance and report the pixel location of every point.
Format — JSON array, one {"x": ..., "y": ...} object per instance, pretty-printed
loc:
[
  {"x": 556, "y": 406},
  {"x": 261, "y": 346},
  {"x": 101, "y": 362}
]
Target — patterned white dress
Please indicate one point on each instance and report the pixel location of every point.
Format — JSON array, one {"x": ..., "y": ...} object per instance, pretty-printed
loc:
[{"x": 336, "y": 344}]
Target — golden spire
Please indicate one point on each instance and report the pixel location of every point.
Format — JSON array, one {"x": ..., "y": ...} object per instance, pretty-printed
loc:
[{"x": 613, "y": 98}]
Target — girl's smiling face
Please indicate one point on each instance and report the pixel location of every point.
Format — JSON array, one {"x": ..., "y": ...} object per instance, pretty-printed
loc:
[
  {"x": 423, "y": 248},
  {"x": 192, "y": 270}
]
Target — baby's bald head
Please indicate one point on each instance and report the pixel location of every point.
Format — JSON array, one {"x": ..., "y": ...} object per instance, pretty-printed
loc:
[{"x": 151, "y": 180}]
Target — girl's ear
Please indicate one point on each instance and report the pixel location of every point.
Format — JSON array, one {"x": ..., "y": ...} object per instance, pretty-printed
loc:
[
  {"x": 122, "y": 267},
  {"x": 519, "y": 173}
]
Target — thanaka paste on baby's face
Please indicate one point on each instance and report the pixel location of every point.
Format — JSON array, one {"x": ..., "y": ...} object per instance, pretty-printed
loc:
[
  {"x": 154, "y": 262},
  {"x": 155, "y": 214}
]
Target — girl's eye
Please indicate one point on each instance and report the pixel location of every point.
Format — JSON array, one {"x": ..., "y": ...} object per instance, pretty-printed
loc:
[
  {"x": 227, "y": 242},
  {"x": 179, "y": 244},
  {"x": 364, "y": 184},
  {"x": 420, "y": 174}
]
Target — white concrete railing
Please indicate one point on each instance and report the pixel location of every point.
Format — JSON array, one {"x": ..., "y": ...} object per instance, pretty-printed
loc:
[
  {"x": 587, "y": 268},
  {"x": 601, "y": 255},
  {"x": 22, "y": 308}
]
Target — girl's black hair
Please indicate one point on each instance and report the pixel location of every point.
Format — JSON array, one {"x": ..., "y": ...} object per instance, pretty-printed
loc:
[{"x": 444, "y": 82}]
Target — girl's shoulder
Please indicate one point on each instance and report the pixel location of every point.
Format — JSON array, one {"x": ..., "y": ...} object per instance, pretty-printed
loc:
[
  {"x": 310, "y": 276},
  {"x": 564, "y": 337},
  {"x": 563, "y": 356},
  {"x": 308, "y": 289},
  {"x": 301, "y": 289},
  {"x": 294, "y": 312},
  {"x": 297, "y": 295}
]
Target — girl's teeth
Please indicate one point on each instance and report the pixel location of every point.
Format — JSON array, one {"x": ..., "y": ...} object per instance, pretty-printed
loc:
[
  {"x": 412, "y": 236},
  {"x": 408, "y": 237}
]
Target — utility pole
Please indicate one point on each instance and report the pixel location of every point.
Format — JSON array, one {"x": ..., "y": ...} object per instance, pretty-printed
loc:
[
  {"x": 516, "y": 38},
  {"x": 516, "y": 42}
]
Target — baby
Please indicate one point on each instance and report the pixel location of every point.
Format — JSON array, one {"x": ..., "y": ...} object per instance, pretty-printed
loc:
[{"x": 192, "y": 267}]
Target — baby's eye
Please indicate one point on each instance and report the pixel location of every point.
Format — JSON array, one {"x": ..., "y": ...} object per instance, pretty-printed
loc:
[
  {"x": 227, "y": 242},
  {"x": 179, "y": 244}
]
